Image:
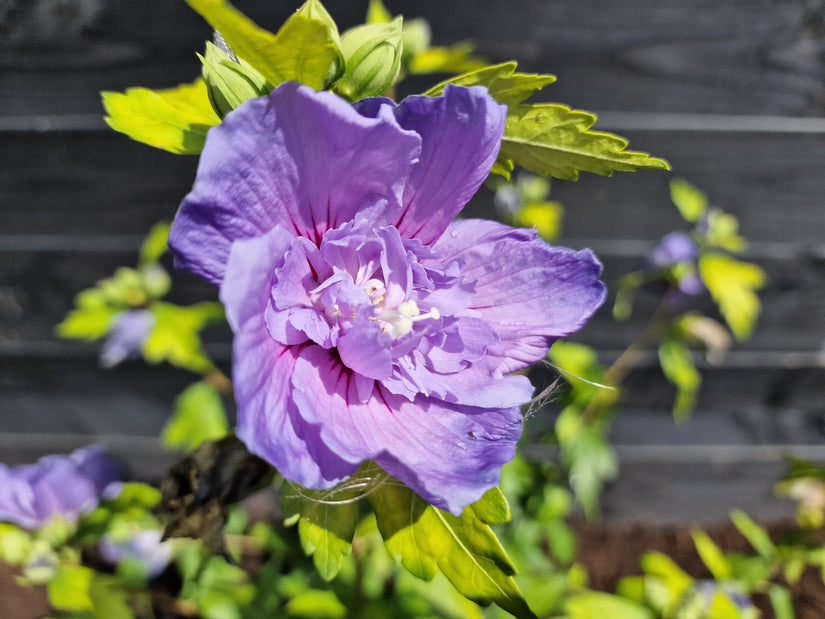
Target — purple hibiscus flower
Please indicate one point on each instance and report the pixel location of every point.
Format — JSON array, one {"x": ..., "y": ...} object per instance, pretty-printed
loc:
[
  {"x": 368, "y": 324},
  {"x": 55, "y": 485},
  {"x": 678, "y": 248}
]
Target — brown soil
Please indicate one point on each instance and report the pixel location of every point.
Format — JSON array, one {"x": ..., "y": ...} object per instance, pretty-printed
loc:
[{"x": 611, "y": 552}]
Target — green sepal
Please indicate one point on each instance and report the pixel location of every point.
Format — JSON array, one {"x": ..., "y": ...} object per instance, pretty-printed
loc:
[
  {"x": 230, "y": 83},
  {"x": 175, "y": 337},
  {"x": 503, "y": 167},
  {"x": 553, "y": 140},
  {"x": 502, "y": 82},
  {"x": 327, "y": 519},
  {"x": 373, "y": 59},
  {"x": 377, "y": 13},
  {"x": 464, "y": 548},
  {"x": 174, "y": 119},
  {"x": 198, "y": 416},
  {"x": 733, "y": 284},
  {"x": 305, "y": 49}
]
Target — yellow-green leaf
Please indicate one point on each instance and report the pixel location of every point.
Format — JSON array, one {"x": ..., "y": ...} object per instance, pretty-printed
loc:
[
  {"x": 175, "y": 119},
  {"x": 327, "y": 518},
  {"x": 599, "y": 605},
  {"x": 87, "y": 324},
  {"x": 70, "y": 588},
  {"x": 198, "y": 416},
  {"x": 691, "y": 202},
  {"x": 154, "y": 245},
  {"x": 502, "y": 82},
  {"x": 553, "y": 140},
  {"x": 711, "y": 556},
  {"x": 464, "y": 548},
  {"x": 175, "y": 337},
  {"x": 679, "y": 368},
  {"x": 305, "y": 49},
  {"x": 733, "y": 284}
]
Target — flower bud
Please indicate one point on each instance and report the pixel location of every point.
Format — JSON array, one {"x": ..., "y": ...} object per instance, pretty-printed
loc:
[
  {"x": 229, "y": 83},
  {"x": 373, "y": 58}
]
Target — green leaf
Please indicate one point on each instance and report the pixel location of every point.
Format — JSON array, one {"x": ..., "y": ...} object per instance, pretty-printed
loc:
[
  {"x": 198, "y": 416},
  {"x": 230, "y": 83},
  {"x": 175, "y": 119},
  {"x": 756, "y": 535},
  {"x": 781, "y": 602},
  {"x": 373, "y": 59},
  {"x": 679, "y": 368},
  {"x": 87, "y": 323},
  {"x": 691, "y": 202},
  {"x": 502, "y": 82},
  {"x": 723, "y": 231},
  {"x": 155, "y": 243},
  {"x": 108, "y": 598},
  {"x": 711, "y": 556},
  {"x": 305, "y": 49},
  {"x": 327, "y": 518},
  {"x": 317, "y": 605},
  {"x": 598, "y": 605},
  {"x": 553, "y": 140},
  {"x": 15, "y": 544},
  {"x": 464, "y": 548},
  {"x": 732, "y": 284},
  {"x": 377, "y": 13},
  {"x": 457, "y": 58},
  {"x": 175, "y": 337},
  {"x": 70, "y": 588}
]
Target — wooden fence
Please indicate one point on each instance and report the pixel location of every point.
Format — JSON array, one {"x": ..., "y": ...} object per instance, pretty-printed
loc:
[{"x": 731, "y": 93}]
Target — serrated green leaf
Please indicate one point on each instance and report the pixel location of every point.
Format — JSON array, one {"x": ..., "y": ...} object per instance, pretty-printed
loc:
[
  {"x": 680, "y": 370},
  {"x": 732, "y": 284},
  {"x": 175, "y": 119},
  {"x": 87, "y": 324},
  {"x": 553, "y": 140},
  {"x": 426, "y": 539},
  {"x": 502, "y": 82},
  {"x": 691, "y": 202},
  {"x": 711, "y": 556},
  {"x": 305, "y": 49},
  {"x": 198, "y": 416},
  {"x": 327, "y": 518},
  {"x": 175, "y": 337},
  {"x": 598, "y": 605},
  {"x": 155, "y": 243},
  {"x": 71, "y": 587},
  {"x": 756, "y": 535}
]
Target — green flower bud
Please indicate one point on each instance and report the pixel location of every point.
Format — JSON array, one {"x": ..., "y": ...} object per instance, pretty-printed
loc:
[
  {"x": 229, "y": 83},
  {"x": 313, "y": 9},
  {"x": 373, "y": 58}
]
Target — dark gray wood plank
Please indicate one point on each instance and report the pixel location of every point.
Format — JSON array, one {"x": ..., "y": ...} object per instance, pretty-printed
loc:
[{"x": 738, "y": 57}]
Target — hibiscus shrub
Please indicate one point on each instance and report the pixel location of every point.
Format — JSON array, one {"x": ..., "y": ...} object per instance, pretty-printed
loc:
[{"x": 379, "y": 343}]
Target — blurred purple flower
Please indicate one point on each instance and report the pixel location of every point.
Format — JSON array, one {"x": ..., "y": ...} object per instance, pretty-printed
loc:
[
  {"x": 146, "y": 547},
  {"x": 126, "y": 338},
  {"x": 369, "y": 325},
  {"x": 673, "y": 249},
  {"x": 68, "y": 486}
]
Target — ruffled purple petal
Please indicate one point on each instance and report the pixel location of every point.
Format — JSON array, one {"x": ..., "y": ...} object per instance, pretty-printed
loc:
[
  {"x": 267, "y": 422},
  {"x": 303, "y": 159},
  {"x": 461, "y": 135},
  {"x": 529, "y": 292},
  {"x": 449, "y": 454}
]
